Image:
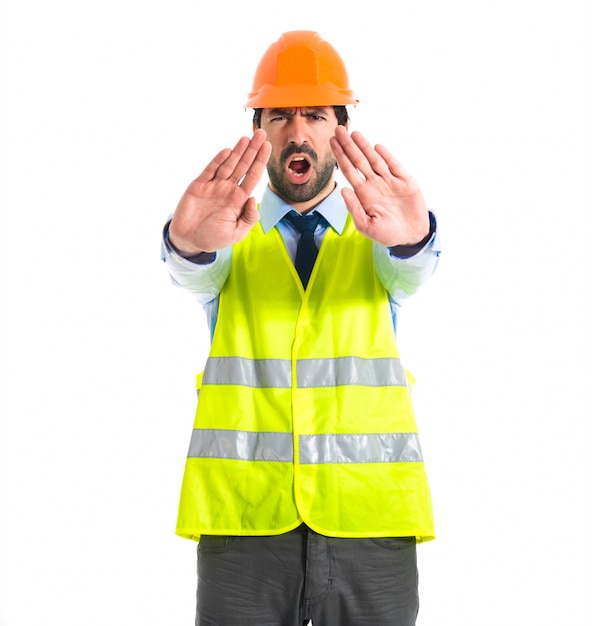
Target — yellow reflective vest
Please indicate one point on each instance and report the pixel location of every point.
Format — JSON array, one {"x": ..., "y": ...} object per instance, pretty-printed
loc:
[{"x": 304, "y": 410}]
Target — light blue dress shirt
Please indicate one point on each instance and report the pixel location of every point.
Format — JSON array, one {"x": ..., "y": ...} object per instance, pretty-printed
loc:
[{"x": 401, "y": 277}]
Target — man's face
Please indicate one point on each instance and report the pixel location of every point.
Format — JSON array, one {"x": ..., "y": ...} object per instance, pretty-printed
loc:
[{"x": 302, "y": 164}]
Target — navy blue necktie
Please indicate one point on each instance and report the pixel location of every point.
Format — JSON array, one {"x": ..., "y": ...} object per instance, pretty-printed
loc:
[{"x": 306, "y": 252}]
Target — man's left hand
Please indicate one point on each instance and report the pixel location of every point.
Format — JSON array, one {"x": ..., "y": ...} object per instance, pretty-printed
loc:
[{"x": 385, "y": 202}]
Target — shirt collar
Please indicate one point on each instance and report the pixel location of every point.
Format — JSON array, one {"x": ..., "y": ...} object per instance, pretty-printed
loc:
[{"x": 272, "y": 208}]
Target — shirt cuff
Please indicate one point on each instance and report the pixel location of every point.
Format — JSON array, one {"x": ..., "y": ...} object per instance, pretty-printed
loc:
[
  {"x": 405, "y": 252},
  {"x": 203, "y": 258}
]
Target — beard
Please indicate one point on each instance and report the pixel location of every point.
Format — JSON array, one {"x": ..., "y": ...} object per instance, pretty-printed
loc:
[{"x": 296, "y": 193}]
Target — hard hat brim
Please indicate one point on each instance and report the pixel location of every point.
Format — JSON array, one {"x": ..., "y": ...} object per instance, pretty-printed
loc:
[{"x": 299, "y": 95}]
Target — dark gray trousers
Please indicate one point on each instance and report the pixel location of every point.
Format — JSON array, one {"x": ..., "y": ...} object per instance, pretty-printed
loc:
[{"x": 289, "y": 579}]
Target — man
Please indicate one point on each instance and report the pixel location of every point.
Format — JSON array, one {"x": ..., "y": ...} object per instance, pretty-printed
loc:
[{"x": 304, "y": 482}]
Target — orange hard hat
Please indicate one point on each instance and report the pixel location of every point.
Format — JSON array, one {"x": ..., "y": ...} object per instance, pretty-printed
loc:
[{"x": 300, "y": 69}]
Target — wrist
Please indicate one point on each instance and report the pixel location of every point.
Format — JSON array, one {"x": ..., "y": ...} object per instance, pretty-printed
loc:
[
  {"x": 195, "y": 256},
  {"x": 408, "y": 250}
]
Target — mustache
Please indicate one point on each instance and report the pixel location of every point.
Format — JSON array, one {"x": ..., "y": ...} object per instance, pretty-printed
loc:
[{"x": 294, "y": 149}]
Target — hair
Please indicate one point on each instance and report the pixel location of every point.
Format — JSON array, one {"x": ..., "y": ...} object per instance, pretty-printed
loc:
[{"x": 340, "y": 112}]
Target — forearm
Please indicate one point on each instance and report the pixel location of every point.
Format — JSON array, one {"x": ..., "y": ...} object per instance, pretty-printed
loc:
[
  {"x": 403, "y": 276},
  {"x": 202, "y": 276}
]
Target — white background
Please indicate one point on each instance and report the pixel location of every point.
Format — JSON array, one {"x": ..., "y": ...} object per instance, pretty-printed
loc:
[{"x": 109, "y": 109}]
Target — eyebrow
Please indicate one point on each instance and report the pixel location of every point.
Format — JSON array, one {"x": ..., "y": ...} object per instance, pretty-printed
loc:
[
  {"x": 281, "y": 111},
  {"x": 291, "y": 111}
]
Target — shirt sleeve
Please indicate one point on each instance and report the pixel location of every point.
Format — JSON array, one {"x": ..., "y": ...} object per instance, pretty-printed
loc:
[
  {"x": 402, "y": 277},
  {"x": 202, "y": 279}
]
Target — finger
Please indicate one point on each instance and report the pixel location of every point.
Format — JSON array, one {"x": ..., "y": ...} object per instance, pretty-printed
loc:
[
  {"x": 362, "y": 154},
  {"x": 226, "y": 170},
  {"x": 347, "y": 168},
  {"x": 247, "y": 219},
  {"x": 256, "y": 169},
  {"x": 355, "y": 208},
  {"x": 252, "y": 154},
  {"x": 209, "y": 172},
  {"x": 250, "y": 214},
  {"x": 245, "y": 153},
  {"x": 395, "y": 168},
  {"x": 351, "y": 150},
  {"x": 372, "y": 155},
  {"x": 224, "y": 163}
]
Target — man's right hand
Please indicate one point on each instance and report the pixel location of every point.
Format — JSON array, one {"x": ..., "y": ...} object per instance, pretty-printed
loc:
[{"x": 217, "y": 209}]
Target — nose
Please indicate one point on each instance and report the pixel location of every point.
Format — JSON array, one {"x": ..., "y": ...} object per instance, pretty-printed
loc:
[{"x": 298, "y": 129}]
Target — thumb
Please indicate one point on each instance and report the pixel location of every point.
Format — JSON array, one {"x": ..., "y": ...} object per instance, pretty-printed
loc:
[
  {"x": 250, "y": 214},
  {"x": 248, "y": 218},
  {"x": 354, "y": 207}
]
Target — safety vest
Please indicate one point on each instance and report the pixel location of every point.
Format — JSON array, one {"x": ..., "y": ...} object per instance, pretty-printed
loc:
[{"x": 304, "y": 411}]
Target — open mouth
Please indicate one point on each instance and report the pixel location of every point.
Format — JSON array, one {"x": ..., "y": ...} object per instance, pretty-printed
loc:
[{"x": 298, "y": 168}]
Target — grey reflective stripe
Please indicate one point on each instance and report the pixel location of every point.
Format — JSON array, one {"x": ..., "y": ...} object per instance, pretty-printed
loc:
[
  {"x": 375, "y": 448},
  {"x": 350, "y": 370},
  {"x": 230, "y": 370},
  {"x": 347, "y": 370},
  {"x": 241, "y": 445},
  {"x": 314, "y": 449}
]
